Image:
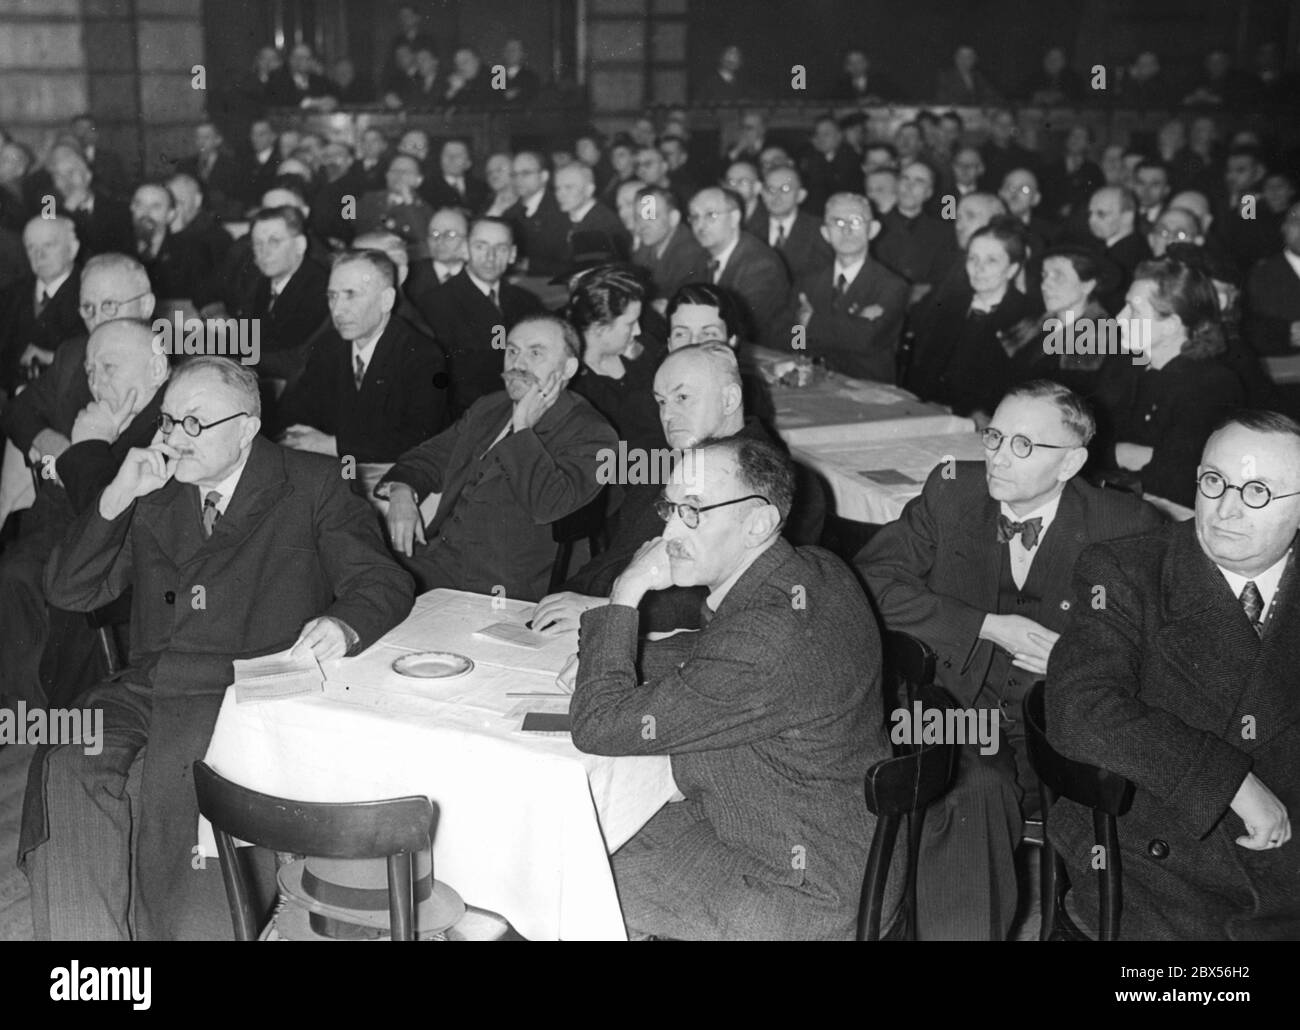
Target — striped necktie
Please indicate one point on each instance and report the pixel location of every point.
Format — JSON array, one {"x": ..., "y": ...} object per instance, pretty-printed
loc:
[
  {"x": 210, "y": 512},
  {"x": 1252, "y": 603}
]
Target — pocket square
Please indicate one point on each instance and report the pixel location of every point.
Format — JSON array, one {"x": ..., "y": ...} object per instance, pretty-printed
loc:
[{"x": 870, "y": 312}]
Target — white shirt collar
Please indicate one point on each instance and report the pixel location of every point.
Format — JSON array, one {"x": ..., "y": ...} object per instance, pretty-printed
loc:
[
  {"x": 1266, "y": 582},
  {"x": 52, "y": 288},
  {"x": 226, "y": 488},
  {"x": 278, "y": 285},
  {"x": 1112, "y": 240},
  {"x": 850, "y": 272},
  {"x": 725, "y": 256},
  {"x": 443, "y": 270},
  {"x": 773, "y": 224},
  {"x": 531, "y": 205},
  {"x": 483, "y": 288},
  {"x": 715, "y": 599},
  {"x": 364, "y": 347},
  {"x": 1293, "y": 260},
  {"x": 264, "y": 155},
  {"x": 1047, "y": 512},
  {"x": 581, "y": 213}
]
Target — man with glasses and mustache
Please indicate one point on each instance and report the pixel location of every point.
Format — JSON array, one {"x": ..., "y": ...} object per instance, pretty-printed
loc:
[
  {"x": 515, "y": 463},
  {"x": 794, "y": 234},
  {"x": 769, "y": 713},
  {"x": 540, "y": 228},
  {"x": 1185, "y": 683},
  {"x": 978, "y": 567},
  {"x": 233, "y": 547}
]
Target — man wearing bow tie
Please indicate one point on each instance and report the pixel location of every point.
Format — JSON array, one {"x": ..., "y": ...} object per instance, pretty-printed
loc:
[{"x": 979, "y": 568}]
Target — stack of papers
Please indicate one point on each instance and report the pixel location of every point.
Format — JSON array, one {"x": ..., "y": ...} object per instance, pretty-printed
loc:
[{"x": 291, "y": 673}]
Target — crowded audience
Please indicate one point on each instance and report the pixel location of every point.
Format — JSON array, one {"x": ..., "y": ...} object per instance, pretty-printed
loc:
[{"x": 479, "y": 330}]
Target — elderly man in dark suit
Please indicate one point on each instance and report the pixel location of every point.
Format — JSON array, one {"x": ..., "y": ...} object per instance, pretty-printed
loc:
[
  {"x": 515, "y": 463},
  {"x": 832, "y": 167},
  {"x": 541, "y": 229},
  {"x": 39, "y": 312},
  {"x": 103, "y": 224},
  {"x": 741, "y": 263},
  {"x": 978, "y": 567},
  {"x": 1273, "y": 295},
  {"x": 177, "y": 265},
  {"x": 454, "y": 186},
  {"x": 669, "y": 250},
  {"x": 770, "y": 713},
  {"x": 1184, "y": 681},
  {"x": 1112, "y": 220},
  {"x": 217, "y": 169},
  {"x": 234, "y": 547},
  {"x": 399, "y": 208},
  {"x": 794, "y": 234},
  {"x": 373, "y": 387},
  {"x": 99, "y": 399},
  {"x": 852, "y": 312},
  {"x": 472, "y": 311},
  {"x": 575, "y": 194}
]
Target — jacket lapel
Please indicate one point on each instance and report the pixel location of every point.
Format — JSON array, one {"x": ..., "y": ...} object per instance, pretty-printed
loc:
[
  {"x": 1274, "y": 691},
  {"x": 1051, "y": 573}
]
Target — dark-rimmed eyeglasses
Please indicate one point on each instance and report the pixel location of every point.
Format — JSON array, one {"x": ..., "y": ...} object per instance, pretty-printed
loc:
[
  {"x": 107, "y": 308},
  {"x": 1021, "y": 445},
  {"x": 690, "y": 513},
  {"x": 1254, "y": 494},
  {"x": 191, "y": 423}
]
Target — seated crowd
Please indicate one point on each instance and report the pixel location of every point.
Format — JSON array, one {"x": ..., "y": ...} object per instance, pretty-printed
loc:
[{"x": 450, "y": 346}]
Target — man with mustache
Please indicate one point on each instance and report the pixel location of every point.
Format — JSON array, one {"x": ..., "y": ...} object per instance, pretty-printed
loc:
[
  {"x": 770, "y": 714},
  {"x": 175, "y": 265},
  {"x": 516, "y": 462}
]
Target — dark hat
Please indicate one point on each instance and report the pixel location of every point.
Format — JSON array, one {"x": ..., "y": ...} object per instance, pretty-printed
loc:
[{"x": 348, "y": 898}]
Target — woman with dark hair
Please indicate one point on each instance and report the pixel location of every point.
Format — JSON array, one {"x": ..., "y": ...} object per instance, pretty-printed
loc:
[
  {"x": 704, "y": 313},
  {"x": 1156, "y": 408},
  {"x": 959, "y": 355},
  {"x": 617, "y": 374},
  {"x": 1041, "y": 347}
]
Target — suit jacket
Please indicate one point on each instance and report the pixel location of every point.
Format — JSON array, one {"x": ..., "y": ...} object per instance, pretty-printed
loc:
[
  {"x": 933, "y": 572},
  {"x": 409, "y": 221},
  {"x": 951, "y": 88},
  {"x": 1272, "y": 305},
  {"x": 283, "y": 91},
  {"x": 757, "y": 277},
  {"x": 921, "y": 249},
  {"x": 402, "y": 400},
  {"x": 603, "y": 221},
  {"x": 842, "y": 173},
  {"x": 847, "y": 330},
  {"x": 466, "y": 326},
  {"x": 440, "y": 193},
  {"x": 258, "y": 177},
  {"x": 493, "y": 523},
  {"x": 771, "y": 715},
  {"x": 682, "y": 261},
  {"x": 222, "y": 186},
  {"x": 300, "y": 312},
  {"x": 107, "y": 227},
  {"x": 295, "y": 543},
  {"x": 1158, "y": 685},
  {"x": 543, "y": 239},
  {"x": 803, "y": 251},
  {"x": 20, "y": 325},
  {"x": 179, "y": 268},
  {"x": 52, "y": 400}
]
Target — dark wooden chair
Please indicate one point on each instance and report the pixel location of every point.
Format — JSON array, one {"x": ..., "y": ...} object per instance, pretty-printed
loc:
[
  {"x": 587, "y": 523},
  {"x": 111, "y": 624},
  {"x": 393, "y": 830},
  {"x": 1108, "y": 794},
  {"x": 902, "y": 788}
]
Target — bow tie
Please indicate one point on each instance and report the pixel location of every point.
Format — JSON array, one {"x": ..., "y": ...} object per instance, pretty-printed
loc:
[{"x": 1027, "y": 531}]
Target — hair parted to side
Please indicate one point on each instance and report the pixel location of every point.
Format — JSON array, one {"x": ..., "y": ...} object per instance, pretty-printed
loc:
[
  {"x": 237, "y": 377},
  {"x": 1185, "y": 291},
  {"x": 1075, "y": 413},
  {"x": 710, "y": 296},
  {"x": 760, "y": 469},
  {"x": 600, "y": 295},
  {"x": 380, "y": 263},
  {"x": 1260, "y": 420}
]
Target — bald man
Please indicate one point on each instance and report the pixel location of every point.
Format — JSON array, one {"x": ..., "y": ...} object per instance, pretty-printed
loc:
[
  {"x": 102, "y": 223},
  {"x": 1112, "y": 219},
  {"x": 1174, "y": 225},
  {"x": 123, "y": 373},
  {"x": 575, "y": 193},
  {"x": 39, "y": 312}
]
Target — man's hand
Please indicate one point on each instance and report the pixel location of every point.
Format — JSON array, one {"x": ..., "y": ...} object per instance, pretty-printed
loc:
[
  {"x": 305, "y": 438},
  {"x": 559, "y": 613},
  {"x": 1029, "y": 643},
  {"x": 1267, "y": 824},
  {"x": 48, "y": 441},
  {"x": 36, "y": 354},
  {"x": 805, "y": 310},
  {"x": 648, "y": 570},
  {"x": 143, "y": 471},
  {"x": 327, "y": 637},
  {"x": 405, "y": 527},
  {"x": 1133, "y": 456},
  {"x": 537, "y": 402},
  {"x": 100, "y": 420}
]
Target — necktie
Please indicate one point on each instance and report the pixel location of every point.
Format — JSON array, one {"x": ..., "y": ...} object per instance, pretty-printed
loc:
[
  {"x": 1027, "y": 531},
  {"x": 359, "y": 372},
  {"x": 780, "y": 237},
  {"x": 270, "y": 302},
  {"x": 1252, "y": 603},
  {"x": 41, "y": 300},
  {"x": 210, "y": 512},
  {"x": 713, "y": 269},
  {"x": 706, "y": 614},
  {"x": 841, "y": 284},
  {"x": 495, "y": 298}
]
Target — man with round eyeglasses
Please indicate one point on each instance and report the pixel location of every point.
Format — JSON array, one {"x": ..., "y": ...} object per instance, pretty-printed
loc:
[
  {"x": 978, "y": 567},
  {"x": 1184, "y": 681},
  {"x": 765, "y": 713},
  {"x": 232, "y": 547}
]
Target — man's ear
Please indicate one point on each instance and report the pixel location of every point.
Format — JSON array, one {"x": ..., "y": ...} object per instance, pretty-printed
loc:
[
  {"x": 874, "y": 230},
  {"x": 826, "y": 235},
  {"x": 761, "y": 524},
  {"x": 387, "y": 298},
  {"x": 803, "y": 195},
  {"x": 732, "y": 399},
  {"x": 570, "y": 368},
  {"x": 674, "y": 218},
  {"x": 1075, "y": 459},
  {"x": 147, "y": 303},
  {"x": 252, "y": 426}
]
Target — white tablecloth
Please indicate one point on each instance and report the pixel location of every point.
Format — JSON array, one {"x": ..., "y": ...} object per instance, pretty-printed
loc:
[
  {"x": 899, "y": 464},
  {"x": 1284, "y": 369},
  {"x": 526, "y": 822}
]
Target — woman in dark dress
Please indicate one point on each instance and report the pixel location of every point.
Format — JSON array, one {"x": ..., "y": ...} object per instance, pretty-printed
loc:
[
  {"x": 960, "y": 357},
  {"x": 1156, "y": 409}
]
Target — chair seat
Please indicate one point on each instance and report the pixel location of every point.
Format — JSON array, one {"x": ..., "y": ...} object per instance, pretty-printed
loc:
[{"x": 290, "y": 923}]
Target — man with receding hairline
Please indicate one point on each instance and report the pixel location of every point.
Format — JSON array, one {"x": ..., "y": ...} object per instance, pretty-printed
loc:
[
  {"x": 1184, "y": 682},
  {"x": 575, "y": 193},
  {"x": 39, "y": 311},
  {"x": 793, "y": 233}
]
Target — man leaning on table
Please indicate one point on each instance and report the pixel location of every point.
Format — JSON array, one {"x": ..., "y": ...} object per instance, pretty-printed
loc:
[
  {"x": 770, "y": 713},
  {"x": 233, "y": 547},
  {"x": 978, "y": 567},
  {"x": 517, "y": 461}
]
